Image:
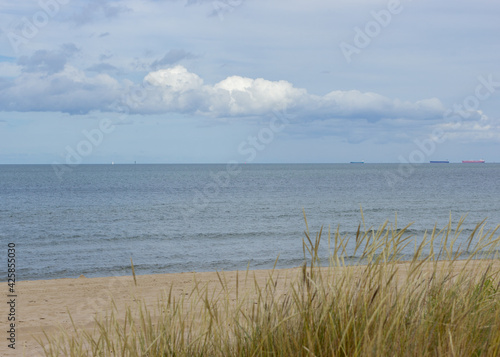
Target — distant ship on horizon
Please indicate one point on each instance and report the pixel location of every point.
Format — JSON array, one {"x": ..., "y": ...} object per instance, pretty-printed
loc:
[
  {"x": 358, "y": 162},
  {"x": 473, "y": 161},
  {"x": 439, "y": 161}
]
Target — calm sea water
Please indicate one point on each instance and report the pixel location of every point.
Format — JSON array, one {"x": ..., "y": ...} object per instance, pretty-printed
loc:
[{"x": 179, "y": 218}]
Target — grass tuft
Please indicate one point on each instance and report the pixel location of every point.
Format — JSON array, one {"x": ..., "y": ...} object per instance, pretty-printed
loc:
[{"x": 443, "y": 300}]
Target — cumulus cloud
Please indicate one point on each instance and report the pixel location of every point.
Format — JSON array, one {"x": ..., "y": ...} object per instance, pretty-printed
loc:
[
  {"x": 174, "y": 80},
  {"x": 236, "y": 96},
  {"x": 170, "y": 90},
  {"x": 176, "y": 89}
]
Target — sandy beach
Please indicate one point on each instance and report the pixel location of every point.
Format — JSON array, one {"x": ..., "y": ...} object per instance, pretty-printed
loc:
[{"x": 46, "y": 305}]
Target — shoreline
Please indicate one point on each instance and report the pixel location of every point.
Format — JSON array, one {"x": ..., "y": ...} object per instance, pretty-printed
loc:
[
  {"x": 46, "y": 305},
  {"x": 348, "y": 264}
]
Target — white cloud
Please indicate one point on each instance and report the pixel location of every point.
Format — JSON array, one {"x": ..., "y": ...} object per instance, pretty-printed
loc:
[
  {"x": 69, "y": 90},
  {"x": 240, "y": 96},
  {"x": 177, "y": 90},
  {"x": 176, "y": 79}
]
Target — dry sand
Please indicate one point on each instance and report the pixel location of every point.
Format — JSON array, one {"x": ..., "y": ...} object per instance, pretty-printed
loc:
[{"x": 45, "y": 305}]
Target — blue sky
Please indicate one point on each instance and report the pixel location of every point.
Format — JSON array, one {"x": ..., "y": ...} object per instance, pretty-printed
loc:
[{"x": 248, "y": 81}]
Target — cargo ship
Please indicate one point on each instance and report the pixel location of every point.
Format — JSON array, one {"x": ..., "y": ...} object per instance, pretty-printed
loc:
[
  {"x": 439, "y": 161},
  {"x": 358, "y": 162},
  {"x": 473, "y": 161}
]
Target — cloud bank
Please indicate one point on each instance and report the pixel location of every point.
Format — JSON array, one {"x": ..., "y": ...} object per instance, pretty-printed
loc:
[{"x": 48, "y": 83}]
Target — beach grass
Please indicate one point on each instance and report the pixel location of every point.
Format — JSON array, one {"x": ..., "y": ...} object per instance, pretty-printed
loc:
[{"x": 440, "y": 301}]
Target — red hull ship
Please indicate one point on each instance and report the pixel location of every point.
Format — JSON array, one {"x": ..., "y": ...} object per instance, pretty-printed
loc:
[{"x": 473, "y": 162}]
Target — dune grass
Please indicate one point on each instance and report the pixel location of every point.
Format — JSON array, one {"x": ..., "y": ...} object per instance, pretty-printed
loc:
[{"x": 444, "y": 302}]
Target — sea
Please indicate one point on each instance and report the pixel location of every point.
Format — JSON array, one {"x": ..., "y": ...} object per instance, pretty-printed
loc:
[{"x": 93, "y": 219}]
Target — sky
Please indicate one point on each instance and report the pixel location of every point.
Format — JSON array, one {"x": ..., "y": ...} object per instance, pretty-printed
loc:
[{"x": 248, "y": 81}]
